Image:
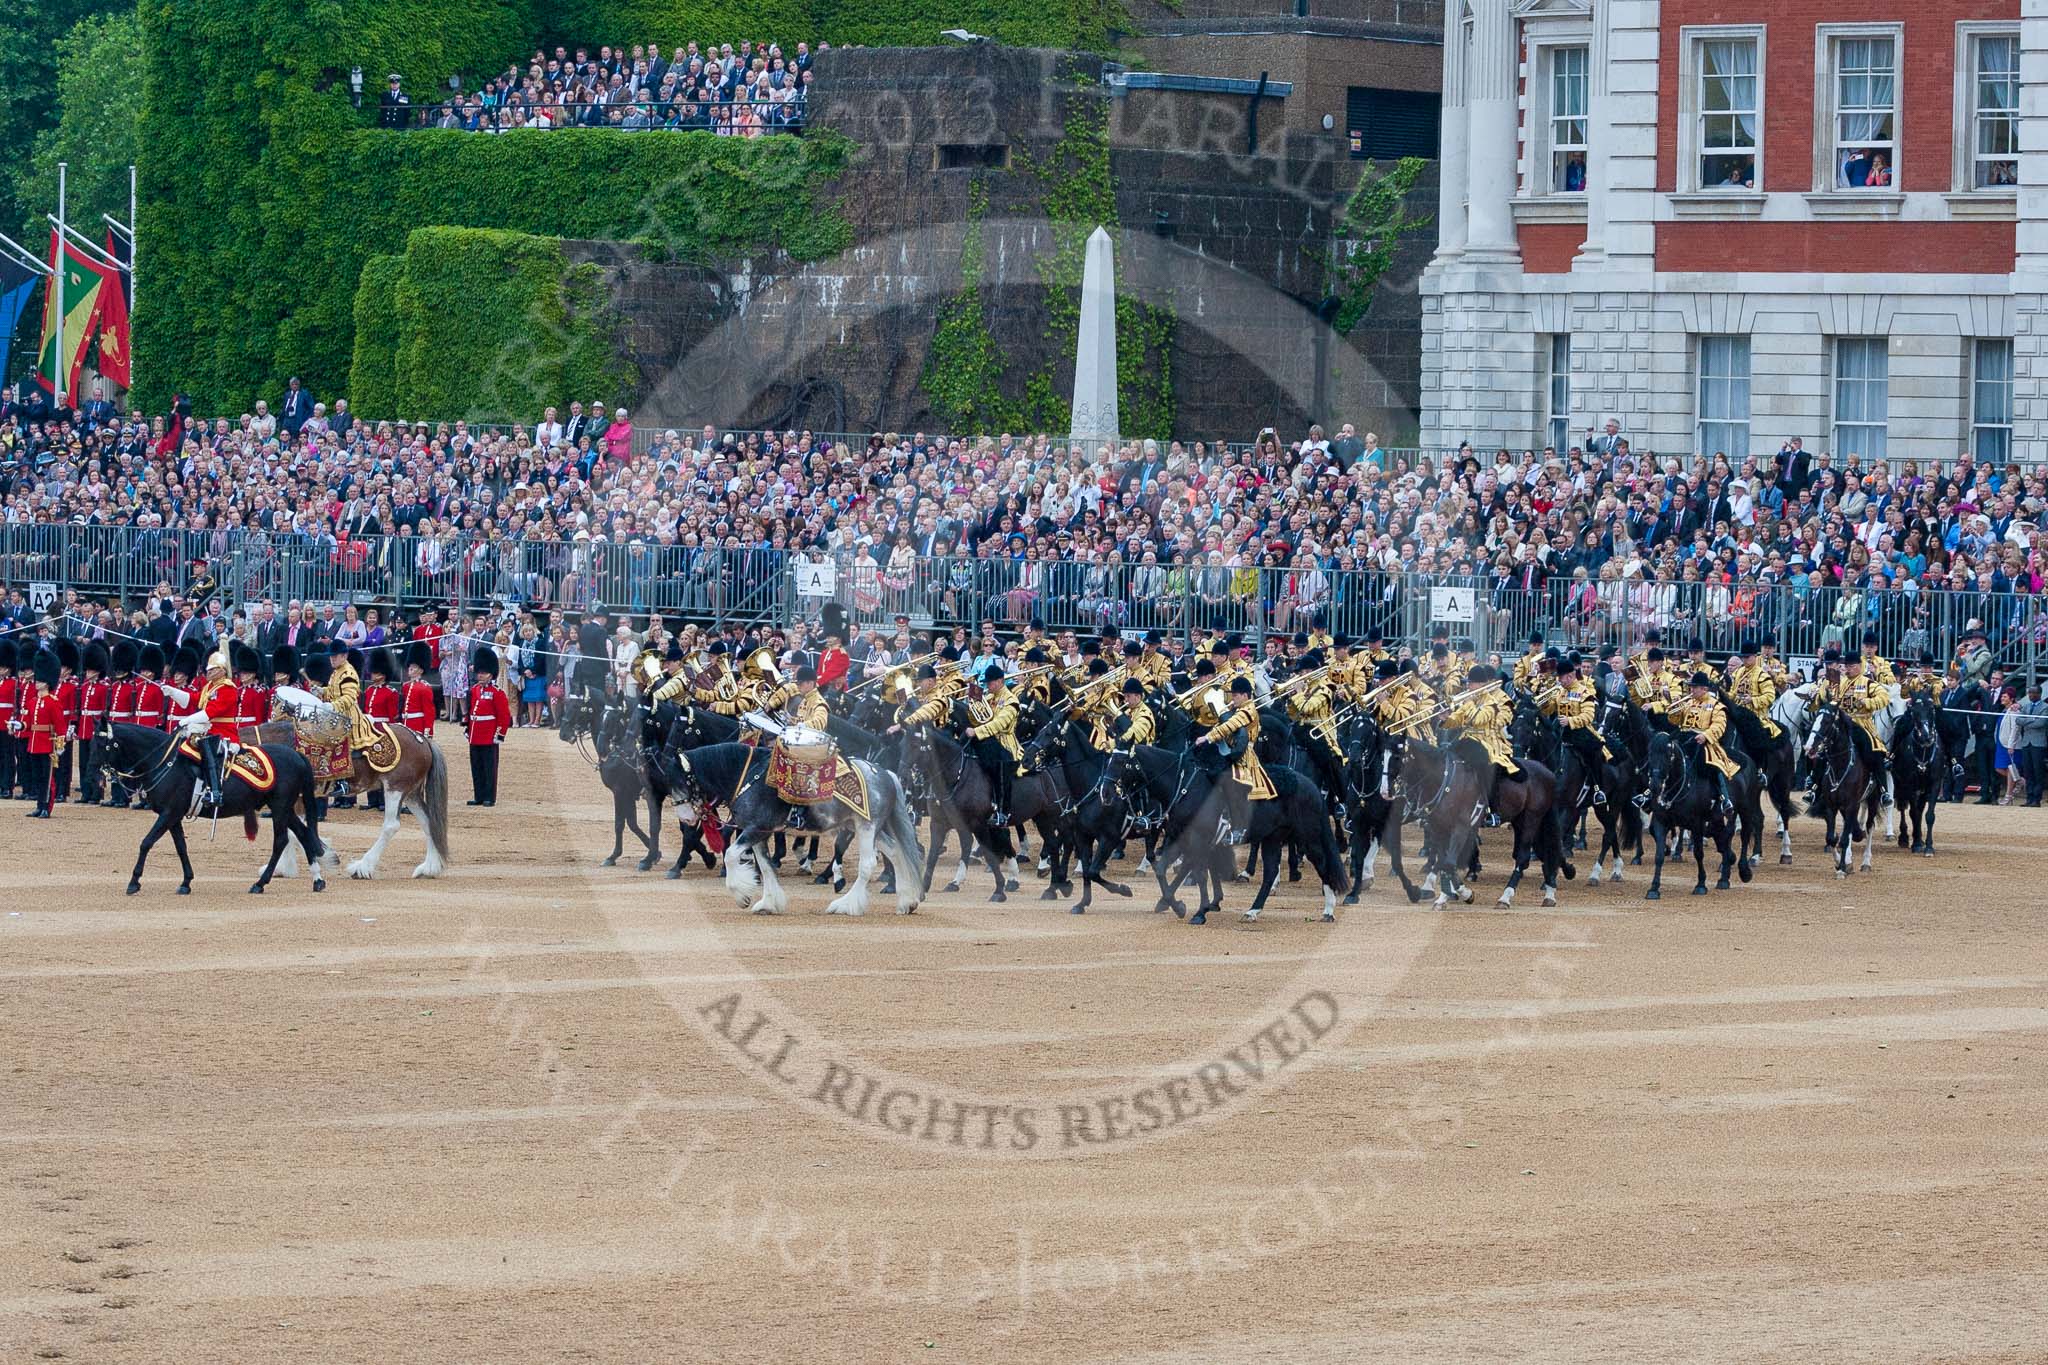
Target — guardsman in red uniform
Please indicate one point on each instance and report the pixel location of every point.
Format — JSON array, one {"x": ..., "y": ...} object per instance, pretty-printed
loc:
[
  {"x": 11, "y": 690},
  {"x": 96, "y": 706},
  {"x": 380, "y": 702},
  {"x": 42, "y": 733},
  {"x": 252, "y": 698},
  {"x": 490, "y": 716},
  {"x": 121, "y": 709},
  {"x": 416, "y": 698},
  {"x": 284, "y": 670},
  {"x": 429, "y": 633},
  {"x": 70, "y": 696}
]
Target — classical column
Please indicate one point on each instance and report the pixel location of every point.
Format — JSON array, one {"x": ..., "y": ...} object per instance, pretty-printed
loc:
[
  {"x": 1490, "y": 154},
  {"x": 1599, "y": 125},
  {"x": 2030, "y": 269},
  {"x": 1452, "y": 160}
]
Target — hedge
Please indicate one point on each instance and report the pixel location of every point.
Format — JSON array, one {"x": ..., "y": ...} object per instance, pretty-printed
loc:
[
  {"x": 372, "y": 381},
  {"x": 492, "y": 325}
]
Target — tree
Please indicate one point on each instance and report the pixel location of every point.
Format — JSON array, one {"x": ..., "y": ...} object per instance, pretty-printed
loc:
[
  {"x": 99, "y": 104},
  {"x": 30, "y": 31},
  {"x": 1369, "y": 233}
]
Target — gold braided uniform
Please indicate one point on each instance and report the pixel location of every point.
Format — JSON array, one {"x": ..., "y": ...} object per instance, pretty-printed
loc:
[
  {"x": 1141, "y": 727},
  {"x": 1154, "y": 670},
  {"x": 1247, "y": 769},
  {"x": 1879, "y": 668},
  {"x": 1102, "y": 713},
  {"x": 1921, "y": 682},
  {"x": 1706, "y": 716},
  {"x": 932, "y": 708},
  {"x": 1525, "y": 674},
  {"x": 1655, "y": 688},
  {"x": 1001, "y": 725},
  {"x": 807, "y": 710},
  {"x": 1403, "y": 709},
  {"x": 1574, "y": 704},
  {"x": 1348, "y": 679},
  {"x": 1208, "y": 705},
  {"x": 723, "y": 693},
  {"x": 1484, "y": 717},
  {"x": 1860, "y": 700},
  {"x": 1754, "y": 689},
  {"x": 344, "y": 692},
  {"x": 1313, "y": 707}
]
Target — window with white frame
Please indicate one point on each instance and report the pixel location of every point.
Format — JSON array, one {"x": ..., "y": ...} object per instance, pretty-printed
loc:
[
  {"x": 1994, "y": 111},
  {"x": 1724, "y": 397},
  {"x": 1728, "y": 103},
  {"x": 1991, "y": 401},
  {"x": 1863, "y": 121},
  {"x": 1862, "y": 397},
  {"x": 1567, "y": 120},
  {"x": 1557, "y": 430}
]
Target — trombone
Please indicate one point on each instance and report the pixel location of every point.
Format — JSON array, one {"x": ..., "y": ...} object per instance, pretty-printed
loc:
[{"x": 891, "y": 672}]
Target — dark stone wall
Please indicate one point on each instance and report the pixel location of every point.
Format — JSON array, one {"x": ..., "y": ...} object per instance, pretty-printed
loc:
[{"x": 1228, "y": 236}]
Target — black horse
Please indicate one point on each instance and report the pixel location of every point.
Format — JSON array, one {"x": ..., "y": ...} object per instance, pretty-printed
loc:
[
  {"x": 1372, "y": 799},
  {"x": 1844, "y": 784},
  {"x": 1627, "y": 730},
  {"x": 1097, "y": 812},
  {"x": 951, "y": 785},
  {"x": 149, "y": 762},
  {"x": 1681, "y": 795},
  {"x": 1470, "y": 788},
  {"x": 1919, "y": 764},
  {"x": 1185, "y": 785}
]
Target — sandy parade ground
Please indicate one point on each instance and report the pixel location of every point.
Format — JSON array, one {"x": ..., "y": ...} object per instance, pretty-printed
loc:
[{"x": 543, "y": 1110}]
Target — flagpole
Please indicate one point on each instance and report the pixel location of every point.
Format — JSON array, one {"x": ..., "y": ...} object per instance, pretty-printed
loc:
[
  {"x": 133, "y": 255},
  {"x": 57, "y": 284},
  {"x": 84, "y": 245},
  {"x": 21, "y": 255}
]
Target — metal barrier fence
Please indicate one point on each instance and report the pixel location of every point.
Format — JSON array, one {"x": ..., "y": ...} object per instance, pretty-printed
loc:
[
  {"x": 727, "y": 116},
  {"x": 717, "y": 586}
]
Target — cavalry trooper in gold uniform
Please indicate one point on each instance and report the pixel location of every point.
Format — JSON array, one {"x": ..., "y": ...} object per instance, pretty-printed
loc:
[
  {"x": 1347, "y": 672},
  {"x": 1860, "y": 699},
  {"x": 1639, "y": 657},
  {"x": 1206, "y": 698},
  {"x": 1876, "y": 667},
  {"x": 1702, "y": 716},
  {"x": 761, "y": 685},
  {"x": 1653, "y": 685},
  {"x": 1435, "y": 668},
  {"x": 1313, "y": 707},
  {"x": 993, "y": 737},
  {"x": 932, "y": 704},
  {"x": 1924, "y": 679},
  {"x": 1138, "y": 725},
  {"x": 344, "y": 692},
  {"x": 1153, "y": 668},
  {"x": 1527, "y": 675},
  {"x": 1483, "y": 714},
  {"x": 1038, "y": 687},
  {"x": 715, "y": 689},
  {"x": 1402, "y": 710},
  {"x": 1095, "y": 703},
  {"x": 1576, "y": 706},
  {"x": 1248, "y": 781},
  {"x": 805, "y": 704},
  {"x": 1374, "y": 651},
  {"x": 1751, "y": 686}
]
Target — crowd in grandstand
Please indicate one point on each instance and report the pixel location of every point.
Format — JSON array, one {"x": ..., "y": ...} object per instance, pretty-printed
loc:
[{"x": 747, "y": 92}]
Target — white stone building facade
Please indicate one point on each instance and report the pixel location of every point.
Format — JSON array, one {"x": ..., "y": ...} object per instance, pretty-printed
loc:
[{"x": 1828, "y": 220}]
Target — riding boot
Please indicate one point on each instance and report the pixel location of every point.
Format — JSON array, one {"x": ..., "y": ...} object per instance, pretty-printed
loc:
[
  {"x": 1724, "y": 796},
  {"x": 1236, "y": 812},
  {"x": 1000, "y": 780},
  {"x": 213, "y": 772}
]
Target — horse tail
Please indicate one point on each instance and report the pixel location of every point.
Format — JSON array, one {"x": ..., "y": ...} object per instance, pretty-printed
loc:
[
  {"x": 249, "y": 824},
  {"x": 434, "y": 799},
  {"x": 310, "y": 804},
  {"x": 903, "y": 823}
]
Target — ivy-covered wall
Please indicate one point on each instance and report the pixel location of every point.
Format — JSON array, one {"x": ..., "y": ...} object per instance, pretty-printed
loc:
[
  {"x": 482, "y": 323},
  {"x": 372, "y": 380}
]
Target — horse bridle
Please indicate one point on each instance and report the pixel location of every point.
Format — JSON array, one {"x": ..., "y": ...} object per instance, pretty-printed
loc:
[{"x": 134, "y": 778}]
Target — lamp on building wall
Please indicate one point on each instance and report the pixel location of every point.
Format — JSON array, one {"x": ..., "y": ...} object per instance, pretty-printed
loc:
[
  {"x": 1329, "y": 122},
  {"x": 355, "y": 85}
]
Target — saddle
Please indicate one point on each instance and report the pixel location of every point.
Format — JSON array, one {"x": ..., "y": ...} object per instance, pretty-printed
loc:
[{"x": 804, "y": 769}]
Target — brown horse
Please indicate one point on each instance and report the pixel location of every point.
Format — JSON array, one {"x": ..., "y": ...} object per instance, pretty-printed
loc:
[{"x": 419, "y": 779}]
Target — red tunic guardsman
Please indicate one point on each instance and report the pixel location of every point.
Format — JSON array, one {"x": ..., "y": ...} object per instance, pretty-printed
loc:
[
  {"x": 380, "y": 703},
  {"x": 70, "y": 693},
  {"x": 151, "y": 708},
  {"x": 11, "y": 695},
  {"x": 42, "y": 723},
  {"x": 96, "y": 706},
  {"x": 490, "y": 716},
  {"x": 252, "y": 698},
  {"x": 416, "y": 698}
]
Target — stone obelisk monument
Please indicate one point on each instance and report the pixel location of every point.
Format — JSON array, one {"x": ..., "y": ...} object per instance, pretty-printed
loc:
[{"x": 1095, "y": 415}]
